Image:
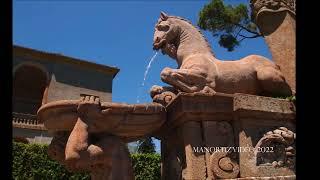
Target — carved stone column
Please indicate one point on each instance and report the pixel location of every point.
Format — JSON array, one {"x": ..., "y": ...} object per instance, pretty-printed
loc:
[
  {"x": 277, "y": 23},
  {"x": 172, "y": 159},
  {"x": 191, "y": 135},
  {"x": 194, "y": 124}
]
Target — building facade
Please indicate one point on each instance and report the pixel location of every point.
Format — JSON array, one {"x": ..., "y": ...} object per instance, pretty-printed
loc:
[{"x": 41, "y": 77}]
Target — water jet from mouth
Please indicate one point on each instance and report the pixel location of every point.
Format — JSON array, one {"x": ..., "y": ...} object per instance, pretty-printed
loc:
[{"x": 146, "y": 73}]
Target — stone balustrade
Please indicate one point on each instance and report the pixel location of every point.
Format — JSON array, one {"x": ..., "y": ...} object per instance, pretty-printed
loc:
[{"x": 26, "y": 121}]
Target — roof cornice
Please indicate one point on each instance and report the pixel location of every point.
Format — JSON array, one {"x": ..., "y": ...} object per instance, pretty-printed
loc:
[{"x": 59, "y": 58}]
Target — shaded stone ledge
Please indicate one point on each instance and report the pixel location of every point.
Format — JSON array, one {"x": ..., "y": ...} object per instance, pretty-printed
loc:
[
  {"x": 263, "y": 107},
  {"x": 129, "y": 122}
]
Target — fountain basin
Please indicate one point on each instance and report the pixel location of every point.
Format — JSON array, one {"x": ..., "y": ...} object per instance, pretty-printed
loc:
[{"x": 129, "y": 122}]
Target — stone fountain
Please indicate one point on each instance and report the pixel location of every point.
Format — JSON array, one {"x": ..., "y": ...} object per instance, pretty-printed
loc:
[
  {"x": 215, "y": 121},
  {"x": 91, "y": 136}
]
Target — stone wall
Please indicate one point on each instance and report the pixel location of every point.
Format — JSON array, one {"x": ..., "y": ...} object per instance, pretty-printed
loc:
[
  {"x": 68, "y": 81},
  {"x": 65, "y": 79}
]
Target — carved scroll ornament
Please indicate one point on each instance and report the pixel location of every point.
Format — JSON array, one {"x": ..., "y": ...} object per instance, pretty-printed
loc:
[
  {"x": 281, "y": 147},
  {"x": 259, "y": 6}
]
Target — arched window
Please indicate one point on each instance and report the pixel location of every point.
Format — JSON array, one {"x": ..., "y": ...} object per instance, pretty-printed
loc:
[{"x": 30, "y": 85}]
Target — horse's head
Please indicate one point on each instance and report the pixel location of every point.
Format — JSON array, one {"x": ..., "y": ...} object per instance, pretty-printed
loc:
[
  {"x": 165, "y": 33},
  {"x": 172, "y": 32}
]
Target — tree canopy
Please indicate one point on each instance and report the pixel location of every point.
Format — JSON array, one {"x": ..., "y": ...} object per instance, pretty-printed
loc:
[
  {"x": 146, "y": 145},
  {"x": 231, "y": 23}
]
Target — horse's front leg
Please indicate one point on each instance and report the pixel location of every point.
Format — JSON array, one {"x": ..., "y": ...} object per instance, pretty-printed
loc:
[{"x": 186, "y": 80}]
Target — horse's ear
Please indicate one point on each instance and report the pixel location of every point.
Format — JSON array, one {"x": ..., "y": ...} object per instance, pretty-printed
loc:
[{"x": 163, "y": 16}]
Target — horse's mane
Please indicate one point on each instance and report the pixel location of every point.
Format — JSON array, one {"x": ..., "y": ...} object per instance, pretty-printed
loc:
[{"x": 189, "y": 22}]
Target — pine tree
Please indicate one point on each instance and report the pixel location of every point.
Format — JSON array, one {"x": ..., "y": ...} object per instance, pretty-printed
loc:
[
  {"x": 146, "y": 145},
  {"x": 232, "y": 24}
]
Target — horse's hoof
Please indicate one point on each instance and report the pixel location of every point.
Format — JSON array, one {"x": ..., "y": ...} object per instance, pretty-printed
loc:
[
  {"x": 207, "y": 91},
  {"x": 155, "y": 90}
]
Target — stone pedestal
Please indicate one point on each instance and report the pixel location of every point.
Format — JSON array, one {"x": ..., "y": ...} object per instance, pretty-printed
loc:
[
  {"x": 226, "y": 136},
  {"x": 204, "y": 136},
  {"x": 277, "y": 23}
]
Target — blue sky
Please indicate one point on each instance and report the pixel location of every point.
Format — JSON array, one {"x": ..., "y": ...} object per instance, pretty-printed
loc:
[{"x": 114, "y": 33}]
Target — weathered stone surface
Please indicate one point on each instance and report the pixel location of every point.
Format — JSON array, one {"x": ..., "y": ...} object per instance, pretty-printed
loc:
[
  {"x": 223, "y": 165},
  {"x": 194, "y": 161},
  {"x": 172, "y": 157},
  {"x": 90, "y": 136},
  {"x": 263, "y": 107},
  {"x": 193, "y": 98},
  {"x": 276, "y": 21},
  {"x": 218, "y": 134},
  {"x": 163, "y": 95},
  {"x": 265, "y": 124},
  {"x": 106, "y": 158},
  {"x": 197, "y": 107},
  {"x": 256, "y": 116},
  {"x": 193, "y": 120},
  {"x": 200, "y": 71},
  {"x": 205, "y": 107},
  {"x": 241, "y": 121},
  {"x": 68, "y": 76},
  {"x": 259, "y": 7},
  {"x": 268, "y": 161},
  {"x": 124, "y": 120}
]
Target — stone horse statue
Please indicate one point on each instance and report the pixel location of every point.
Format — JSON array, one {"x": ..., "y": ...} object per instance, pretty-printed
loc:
[{"x": 200, "y": 71}]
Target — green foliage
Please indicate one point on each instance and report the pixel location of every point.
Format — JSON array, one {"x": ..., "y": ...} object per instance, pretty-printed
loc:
[
  {"x": 146, "y": 166},
  {"x": 227, "y": 22},
  {"x": 146, "y": 146},
  {"x": 30, "y": 161},
  {"x": 228, "y": 41},
  {"x": 292, "y": 98}
]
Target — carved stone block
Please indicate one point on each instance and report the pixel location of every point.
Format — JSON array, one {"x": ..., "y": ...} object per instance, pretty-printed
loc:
[
  {"x": 265, "y": 127},
  {"x": 198, "y": 125}
]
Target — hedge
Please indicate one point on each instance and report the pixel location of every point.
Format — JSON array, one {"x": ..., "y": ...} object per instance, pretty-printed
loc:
[
  {"x": 30, "y": 161},
  {"x": 146, "y": 166}
]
